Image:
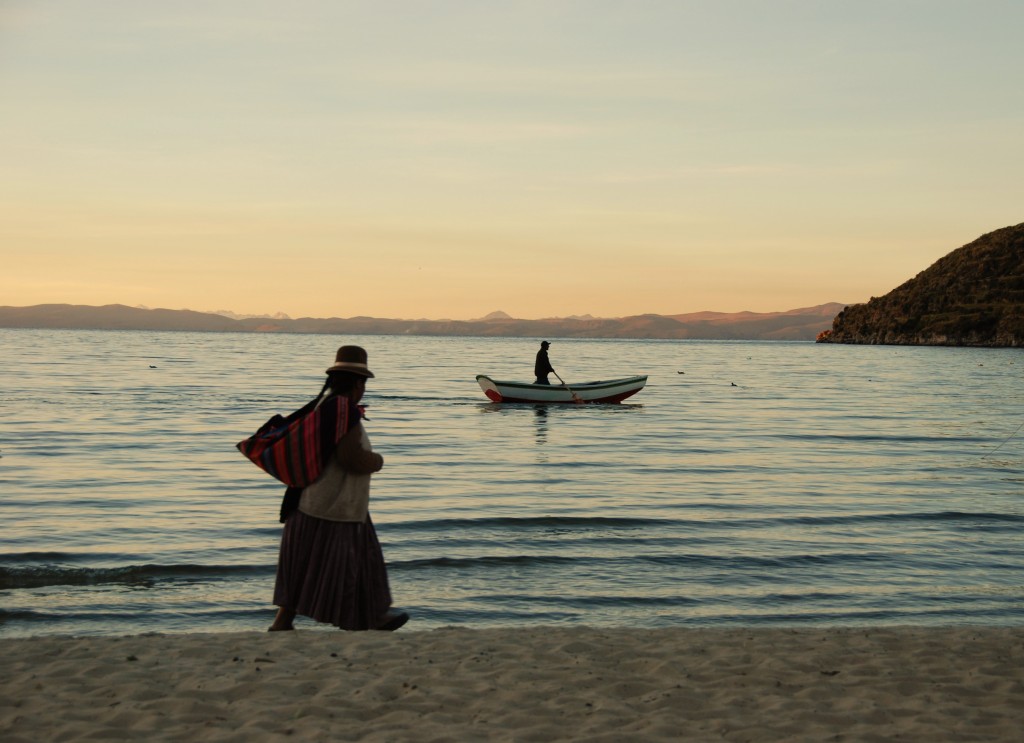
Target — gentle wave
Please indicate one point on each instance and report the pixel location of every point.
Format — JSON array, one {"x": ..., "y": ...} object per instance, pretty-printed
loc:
[
  {"x": 514, "y": 524},
  {"x": 52, "y": 575},
  {"x": 721, "y": 562},
  {"x": 153, "y": 617},
  {"x": 876, "y": 438}
]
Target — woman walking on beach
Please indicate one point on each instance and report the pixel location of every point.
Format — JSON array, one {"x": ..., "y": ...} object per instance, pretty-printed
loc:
[{"x": 331, "y": 567}]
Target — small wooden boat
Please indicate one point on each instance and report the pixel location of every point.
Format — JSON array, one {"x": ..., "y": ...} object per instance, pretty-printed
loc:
[{"x": 615, "y": 390}]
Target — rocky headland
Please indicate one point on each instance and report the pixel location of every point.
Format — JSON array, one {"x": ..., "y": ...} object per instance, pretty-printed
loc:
[{"x": 973, "y": 296}]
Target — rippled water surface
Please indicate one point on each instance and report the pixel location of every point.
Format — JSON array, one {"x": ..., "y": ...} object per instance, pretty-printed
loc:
[{"x": 748, "y": 483}]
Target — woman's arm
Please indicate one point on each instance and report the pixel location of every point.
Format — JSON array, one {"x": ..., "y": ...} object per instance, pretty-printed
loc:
[{"x": 353, "y": 457}]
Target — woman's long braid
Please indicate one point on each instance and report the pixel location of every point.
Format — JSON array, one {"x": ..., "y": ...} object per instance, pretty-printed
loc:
[{"x": 327, "y": 386}]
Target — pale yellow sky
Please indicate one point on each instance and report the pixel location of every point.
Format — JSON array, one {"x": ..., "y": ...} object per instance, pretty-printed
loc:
[{"x": 449, "y": 159}]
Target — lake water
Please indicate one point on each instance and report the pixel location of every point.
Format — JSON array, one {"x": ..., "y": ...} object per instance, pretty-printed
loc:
[{"x": 749, "y": 483}]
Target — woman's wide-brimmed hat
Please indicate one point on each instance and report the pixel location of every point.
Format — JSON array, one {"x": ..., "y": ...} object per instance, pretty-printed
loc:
[{"x": 351, "y": 359}]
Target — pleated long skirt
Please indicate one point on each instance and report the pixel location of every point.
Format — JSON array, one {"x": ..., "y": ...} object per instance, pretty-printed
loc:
[{"x": 333, "y": 572}]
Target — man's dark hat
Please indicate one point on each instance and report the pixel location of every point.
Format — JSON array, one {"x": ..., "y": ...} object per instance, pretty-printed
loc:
[
  {"x": 545, "y": 344},
  {"x": 351, "y": 359}
]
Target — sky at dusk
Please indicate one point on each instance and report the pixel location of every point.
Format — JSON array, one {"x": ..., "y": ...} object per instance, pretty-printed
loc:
[{"x": 447, "y": 159}]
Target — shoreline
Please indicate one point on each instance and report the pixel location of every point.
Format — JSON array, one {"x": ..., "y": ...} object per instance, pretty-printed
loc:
[{"x": 530, "y": 683}]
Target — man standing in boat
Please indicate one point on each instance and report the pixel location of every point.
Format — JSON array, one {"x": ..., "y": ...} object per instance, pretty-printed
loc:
[{"x": 542, "y": 366}]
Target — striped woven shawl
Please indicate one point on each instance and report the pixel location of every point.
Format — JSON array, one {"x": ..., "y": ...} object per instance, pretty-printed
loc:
[{"x": 296, "y": 449}]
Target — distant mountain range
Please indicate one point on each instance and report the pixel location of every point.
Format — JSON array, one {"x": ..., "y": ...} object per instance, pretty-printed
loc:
[
  {"x": 973, "y": 296},
  {"x": 799, "y": 324}
]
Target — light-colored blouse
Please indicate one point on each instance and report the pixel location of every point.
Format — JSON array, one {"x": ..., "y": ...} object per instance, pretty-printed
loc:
[{"x": 342, "y": 492}]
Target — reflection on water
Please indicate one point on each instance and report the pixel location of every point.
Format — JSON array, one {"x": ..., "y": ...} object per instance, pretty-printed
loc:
[{"x": 540, "y": 413}]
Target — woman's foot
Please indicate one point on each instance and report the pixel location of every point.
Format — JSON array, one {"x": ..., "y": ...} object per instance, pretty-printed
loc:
[
  {"x": 392, "y": 620},
  {"x": 283, "y": 621}
]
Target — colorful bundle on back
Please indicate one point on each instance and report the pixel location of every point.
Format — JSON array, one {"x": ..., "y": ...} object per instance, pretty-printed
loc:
[{"x": 296, "y": 449}]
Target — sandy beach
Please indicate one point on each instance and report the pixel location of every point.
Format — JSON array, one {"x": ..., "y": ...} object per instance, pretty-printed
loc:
[{"x": 529, "y": 684}]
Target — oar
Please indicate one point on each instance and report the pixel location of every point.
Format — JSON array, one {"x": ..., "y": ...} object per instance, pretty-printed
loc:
[{"x": 575, "y": 398}]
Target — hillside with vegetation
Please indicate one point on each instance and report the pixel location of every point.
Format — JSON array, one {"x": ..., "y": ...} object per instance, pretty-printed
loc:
[{"x": 973, "y": 296}]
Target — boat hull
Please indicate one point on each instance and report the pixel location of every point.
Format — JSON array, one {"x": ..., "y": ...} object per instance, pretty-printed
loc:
[{"x": 612, "y": 391}]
